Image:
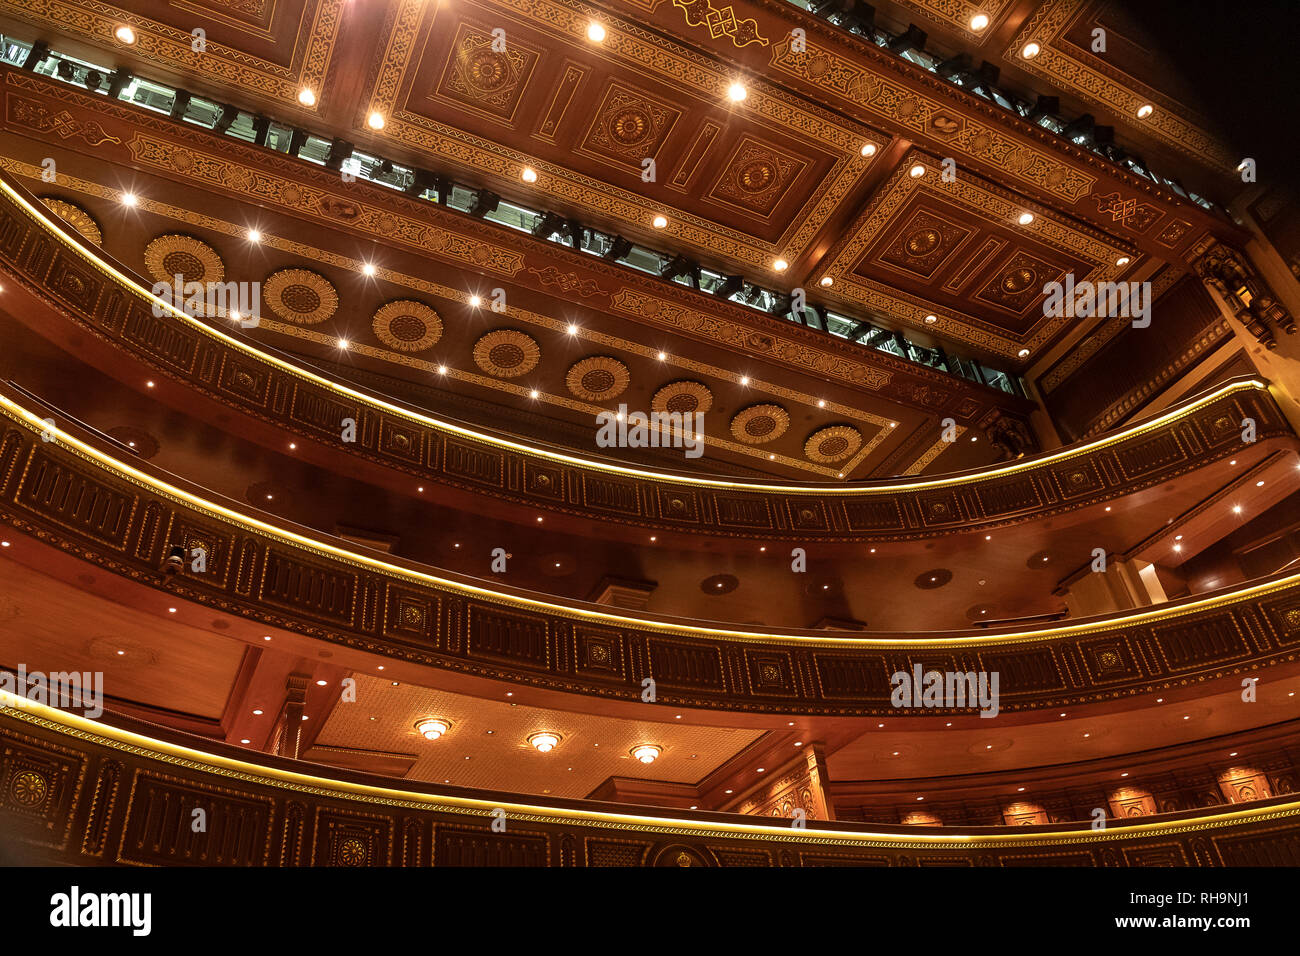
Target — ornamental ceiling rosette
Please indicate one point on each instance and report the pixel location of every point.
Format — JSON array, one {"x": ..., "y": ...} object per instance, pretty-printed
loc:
[
  {"x": 76, "y": 217},
  {"x": 760, "y": 423},
  {"x": 174, "y": 255},
  {"x": 598, "y": 378},
  {"x": 300, "y": 296},
  {"x": 683, "y": 398},
  {"x": 407, "y": 326},
  {"x": 829, "y": 445},
  {"x": 507, "y": 353}
]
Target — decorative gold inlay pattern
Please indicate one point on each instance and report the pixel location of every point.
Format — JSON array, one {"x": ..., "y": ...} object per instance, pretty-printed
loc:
[
  {"x": 76, "y": 217},
  {"x": 507, "y": 353},
  {"x": 407, "y": 326},
  {"x": 174, "y": 255},
  {"x": 829, "y": 445},
  {"x": 598, "y": 378},
  {"x": 760, "y": 423},
  {"x": 682, "y": 397},
  {"x": 301, "y": 296},
  {"x": 28, "y": 789}
]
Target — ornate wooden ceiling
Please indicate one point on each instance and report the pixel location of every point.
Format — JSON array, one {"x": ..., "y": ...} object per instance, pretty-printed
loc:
[{"x": 780, "y": 175}]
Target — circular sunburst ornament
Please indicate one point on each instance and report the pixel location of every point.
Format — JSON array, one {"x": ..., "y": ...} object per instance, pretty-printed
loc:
[
  {"x": 506, "y": 353},
  {"x": 28, "y": 789},
  {"x": 192, "y": 259},
  {"x": 829, "y": 445},
  {"x": 407, "y": 326},
  {"x": 77, "y": 218},
  {"x": 302, "y": 297},
  {"x": 760, "y": 423},
  {"x": 598, "y": 378},
  {"x": 683, "y": 398}
]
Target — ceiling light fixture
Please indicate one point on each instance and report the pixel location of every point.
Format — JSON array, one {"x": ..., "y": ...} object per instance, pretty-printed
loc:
[
  {"x": 646, "y": 753},
  {"x": 433, "y": 727},
  {"x": 529, "y": 175},
  {"x": 129, "y": 199},
  {"x": 544, "y": 742},
  {"x": 780, "y": 265},
  {"x": 595, "y": 32},
  {"x": 931, "y": 319},
  {"x": 869, "y": 149},
  {"x": 659, "y": 222},
  {"x": 1023, "y": 353},
  {"x": 979, "y": 22},
  {"x": 254, "y": 236},
  {"x": 916, "y": 171},
  {"x": 1122, "y": 261},
  {"x": 1026, "y": 218},
  {"x": 368, "y": 269},
  {"x": 737, "y": 92},
  {"x": 1145, "y": 110},
  {"x": 1030, "y": 50},
  {"x": 306, "y": 97},
  {"x": 375, "y": 121},
  {"x": 827, "y": 281},
  {"x": 125, "y": 35}
]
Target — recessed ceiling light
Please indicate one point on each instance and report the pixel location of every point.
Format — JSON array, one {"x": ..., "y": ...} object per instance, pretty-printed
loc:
[
  {"x": 375, "y": 121},
  {"x": 368, "y": 269},
  {"x": 646, "y": 753},
  {"x": 343, "y": 343},
  {"x": 780, "y": 265},
  {"x": 979, "y": 21},
  {"x": 744, "y": 380},
  {"x": 737, "y": 92},
  {"x": 1023, "y": 353},
  {"x": 442, "y": 370},
  {"x": 916, "y": 171},
  {"x": 433, "y": 727},
  {"x": 1122, "y": 261},
  {"x": 529, "y": 175},
  {"x": 1030, "y": 50},
  {"x": 931, "y": 319},
  {"x": 544, "y": 742},
  {"x": 149, "y": 384},
  {"x": 1259, "y": 484},
  {"x": 321, "y": 683},
  {"x": 475, "y": 301},
  {"x": 827, "y": 281},
  {"x": 171, "y": 610},
  {"x": 129, "y": 199},
  {"x": 306, "y": 97},
  {"x": 659, "y": 222},
  {"x": 573, "y": 329},
  {"x": 254, "y": 236},
  {"x": 125, "y": 35},
  {"x": 1020, "y": 789},
  {"x": 245, "y": 741},
  {"x": 595, "y": 32},
  {"x": 662, "y": 356},
  {"x": 869, "y": 149},
  {"x": 534, "y": 393},
  {"x": 257, "y": 713},
  {"x": 1026, "y": 218},
  {"x": 1236, "y": 509},
  {"x": 1145, "y": 110},
  {"x": 821, "y": 403}
]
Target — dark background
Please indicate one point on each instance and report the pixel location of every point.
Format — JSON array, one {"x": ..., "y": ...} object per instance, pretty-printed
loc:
[{"x": 1242, "y": 57}]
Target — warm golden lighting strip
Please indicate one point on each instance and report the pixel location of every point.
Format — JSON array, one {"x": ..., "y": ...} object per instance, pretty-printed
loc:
[
  {"x": 438, "y": 425},
  {"x": 76, "y": 726},
  {"x": 39, "y": 425}
]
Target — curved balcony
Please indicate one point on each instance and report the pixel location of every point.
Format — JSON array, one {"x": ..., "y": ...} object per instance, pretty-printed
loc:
[
  {"x": 67, "y": 492},
  {"x": 210, "y": 371},
  {"x": 125, "y": 781}
]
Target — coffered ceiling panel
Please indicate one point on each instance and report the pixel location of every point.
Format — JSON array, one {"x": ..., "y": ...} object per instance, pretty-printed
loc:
[
  {"x": 952, "y": 257},
  {"x": 746, "y": 182},
  {"x": 267, "y": 48}
]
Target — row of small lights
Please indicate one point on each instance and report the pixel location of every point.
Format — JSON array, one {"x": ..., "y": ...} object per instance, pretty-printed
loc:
[
  {"x": 370, "y": 270},
  {"x": 543, "y": 742},
  {"x": 596, "y": 33}
]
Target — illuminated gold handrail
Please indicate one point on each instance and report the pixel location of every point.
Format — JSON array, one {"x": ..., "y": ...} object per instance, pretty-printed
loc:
[
  {"x": 52, "y": 435},
  {"x": 306, "y": 782}
]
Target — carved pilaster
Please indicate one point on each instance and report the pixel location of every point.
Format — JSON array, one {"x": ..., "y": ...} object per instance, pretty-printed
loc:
[{"x": 1243, "y": 292}]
